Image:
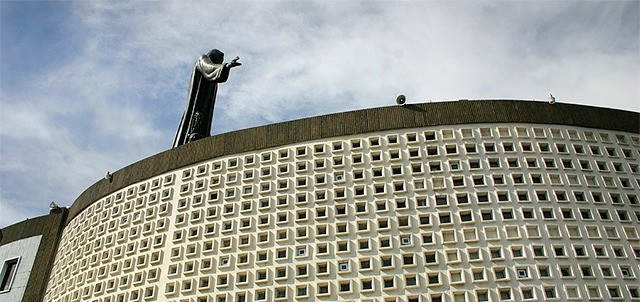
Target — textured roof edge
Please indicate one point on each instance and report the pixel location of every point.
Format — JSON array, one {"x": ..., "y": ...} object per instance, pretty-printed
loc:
[{"x": 360, "y": 121}]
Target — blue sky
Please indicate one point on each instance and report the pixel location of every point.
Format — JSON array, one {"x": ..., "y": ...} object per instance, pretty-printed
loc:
[{"x": 92, "y": 86}]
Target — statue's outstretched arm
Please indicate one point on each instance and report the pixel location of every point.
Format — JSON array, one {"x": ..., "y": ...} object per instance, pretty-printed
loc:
[{"x": 234, "y": 62}]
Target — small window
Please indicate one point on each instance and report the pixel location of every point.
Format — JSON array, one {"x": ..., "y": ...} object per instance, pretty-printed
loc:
[
  {"x": 9, "y": 270},
  {"x": 430, "y": 135},
  {"x": 441, "y": 200},
  {"x": 478, "y": 274},
  {"x": 550, "y": 292},
  {"x": 487, "y": 215},
  {"x": 543, "y": 271},
  {"x": 507, "y": 214},
  {"x": 343, "y": 266},
  {"x": 445, "y": 218},
  {"x": 523, "y": 273}
]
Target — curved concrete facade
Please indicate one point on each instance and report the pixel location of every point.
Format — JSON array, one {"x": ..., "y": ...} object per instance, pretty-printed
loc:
[
  {"x": 362, "y": 121},
  {"x": 455, "y": 201}
]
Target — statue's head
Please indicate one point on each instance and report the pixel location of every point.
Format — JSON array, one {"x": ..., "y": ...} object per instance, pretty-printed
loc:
[{"x": 216, "y": 56}]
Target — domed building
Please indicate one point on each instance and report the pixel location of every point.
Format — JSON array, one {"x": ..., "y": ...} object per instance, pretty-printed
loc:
[{"x": 449, "y": 201}]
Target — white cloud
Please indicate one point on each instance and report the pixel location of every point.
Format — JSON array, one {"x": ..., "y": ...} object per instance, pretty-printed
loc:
[
  {"x": 15, "y": 212},
  {"x": 119, "y": 96}
]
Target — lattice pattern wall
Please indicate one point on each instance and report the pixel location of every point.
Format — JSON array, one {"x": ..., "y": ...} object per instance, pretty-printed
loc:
[{"x": 484, "y": 212}]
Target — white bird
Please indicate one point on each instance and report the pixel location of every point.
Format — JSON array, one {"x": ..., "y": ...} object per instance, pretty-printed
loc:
[{"x": 552, "y": 99}]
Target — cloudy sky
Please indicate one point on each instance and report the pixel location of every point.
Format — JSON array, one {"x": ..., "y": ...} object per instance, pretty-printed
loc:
[{"x": 90, "y": 86}]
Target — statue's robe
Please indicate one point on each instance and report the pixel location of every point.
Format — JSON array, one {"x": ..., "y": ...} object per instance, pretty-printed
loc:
[{"x": 198, "y": 115}]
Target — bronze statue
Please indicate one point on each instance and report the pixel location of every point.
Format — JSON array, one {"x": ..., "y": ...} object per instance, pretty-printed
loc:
[{"x": 198, "y": 115}]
